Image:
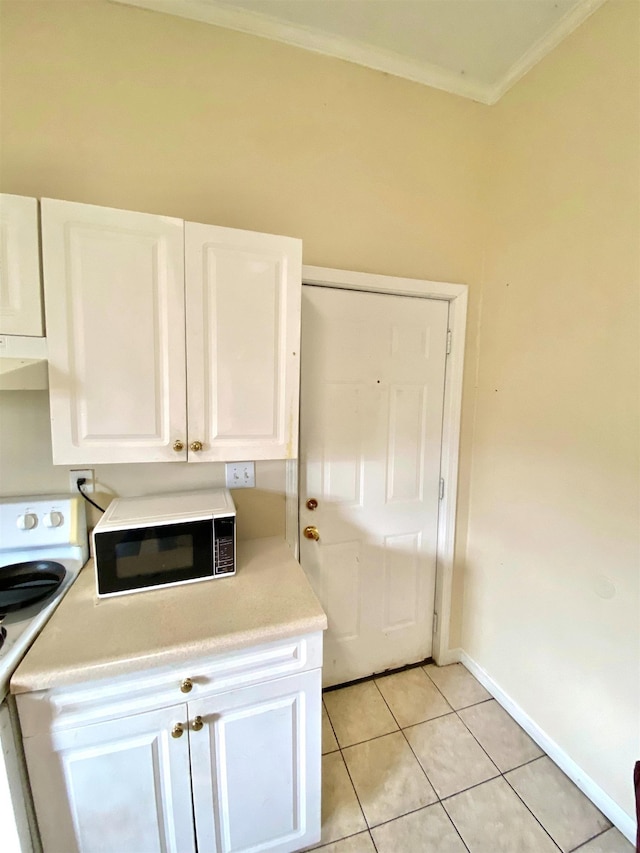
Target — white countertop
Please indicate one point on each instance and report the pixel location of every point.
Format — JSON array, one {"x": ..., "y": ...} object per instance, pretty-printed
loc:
[{"x": 268, "y": 599}]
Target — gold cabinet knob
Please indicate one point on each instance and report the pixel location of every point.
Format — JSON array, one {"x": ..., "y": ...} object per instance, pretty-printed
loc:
[
  {"x": 312, "y": 504},
  {"x": 197, "y": 724},
  {"x": 178, "y": 446},
  {"x": 311, "y": 533},
  {"x": 195, "y": 446},
  {"x": 177, "y": 730},
  {"x": 186, "y": 685}
]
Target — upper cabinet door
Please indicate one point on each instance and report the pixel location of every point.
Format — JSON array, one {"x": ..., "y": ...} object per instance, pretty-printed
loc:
[
  {"x": 20, "y": 292},
  {"x": 243, "y": 294},
  {"x": 114, "y": 297}
]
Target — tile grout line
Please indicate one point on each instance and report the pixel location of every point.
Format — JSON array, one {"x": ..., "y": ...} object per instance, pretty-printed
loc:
[
  {"x": 335, "y": 736},
  {"x": 442, "y": 801},
  {"x": 593, "y": 838},
  {"x": 501, "y": 774},
  {"x": 527, "y": 807},
  {"x": 400, "y": 729},
  {"x": 368, "y": 829},
  {"x": 478, "y": 742},
  {"x": 355, "y": 791},
  {"x": 337, "y": 841},
  {"x": 422, "y": 768},
  {"x": 373, "y": 841}
]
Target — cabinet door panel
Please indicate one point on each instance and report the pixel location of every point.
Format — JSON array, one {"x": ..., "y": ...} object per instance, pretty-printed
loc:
[
  {"x": 113, "y": 787},
  {"x": 256, "y": 767},
  {"x": 114, "y": 295},
  {"x": 243, "y": 342},
  {"x": 20, "y": 296}
]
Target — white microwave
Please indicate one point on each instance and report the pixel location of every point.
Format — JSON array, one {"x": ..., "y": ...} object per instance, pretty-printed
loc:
[{"x": 164, "y": 540}]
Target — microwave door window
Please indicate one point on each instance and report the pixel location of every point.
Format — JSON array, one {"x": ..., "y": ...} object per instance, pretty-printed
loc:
[{"x": 153, "y": 555}]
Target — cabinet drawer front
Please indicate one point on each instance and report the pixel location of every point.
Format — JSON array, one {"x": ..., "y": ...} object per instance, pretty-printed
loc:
[{"x": 108, "y": 699}]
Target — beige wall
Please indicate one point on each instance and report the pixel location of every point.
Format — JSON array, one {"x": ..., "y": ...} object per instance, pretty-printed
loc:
[
  {"x": 118, "y": 106},
  {"x": 552, "y": 606}
]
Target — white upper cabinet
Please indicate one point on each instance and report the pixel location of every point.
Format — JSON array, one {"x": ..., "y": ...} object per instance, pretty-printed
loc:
[
  {"x": 243, "y": 332},
  {"x": 114, "y": 296},
  {"x": 20, "y": 291},
  {"x": 120, "y": 314}
]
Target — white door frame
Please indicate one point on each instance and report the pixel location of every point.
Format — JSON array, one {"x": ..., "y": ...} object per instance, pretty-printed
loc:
[{"x": 456, "y": 296}]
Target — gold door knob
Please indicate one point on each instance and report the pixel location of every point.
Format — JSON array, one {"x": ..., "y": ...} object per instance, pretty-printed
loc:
[
  {"x": 311, "y": 533},
  {"x": 195, "y": 446},
  {"x": 178, "y": 446},
  {"x": 186, "y": 685},
  {"x": 312, "y": 503},
  {"x": 177, "y": 730},
  {"x": 197, "y": 724}
]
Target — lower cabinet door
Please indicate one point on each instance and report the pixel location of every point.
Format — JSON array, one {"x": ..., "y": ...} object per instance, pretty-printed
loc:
[
  {"x": 255, "y": 767},
  {"x": 115, "y": 787}
]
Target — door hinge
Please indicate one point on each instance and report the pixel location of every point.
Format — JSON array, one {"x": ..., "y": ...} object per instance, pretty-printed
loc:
[
  {"x": 435, "y": 622},
  {"x": 441, "y": 494},
  {"x": 449, "y": 336}
]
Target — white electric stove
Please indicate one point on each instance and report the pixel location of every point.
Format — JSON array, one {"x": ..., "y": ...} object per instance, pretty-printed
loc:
[{"x": 43, "y": 546}]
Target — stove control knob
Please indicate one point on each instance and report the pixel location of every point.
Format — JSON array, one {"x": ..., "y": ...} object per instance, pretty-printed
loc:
[
  {"x": 27, "y": 521},
  {"x": 53, "y": 519}
]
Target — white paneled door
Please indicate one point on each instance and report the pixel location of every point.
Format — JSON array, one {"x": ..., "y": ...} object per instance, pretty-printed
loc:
[{"x": 372, "y": 393}]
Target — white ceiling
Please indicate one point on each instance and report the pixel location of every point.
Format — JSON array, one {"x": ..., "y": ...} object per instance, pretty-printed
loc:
[{"x": 474, "y": 48}]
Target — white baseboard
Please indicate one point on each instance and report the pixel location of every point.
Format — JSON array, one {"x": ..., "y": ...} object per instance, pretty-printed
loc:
[{"x": 619, "y": 818}]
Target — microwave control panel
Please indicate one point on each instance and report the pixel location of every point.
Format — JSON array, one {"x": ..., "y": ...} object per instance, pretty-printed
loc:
[{"x": 225, "y": 545}]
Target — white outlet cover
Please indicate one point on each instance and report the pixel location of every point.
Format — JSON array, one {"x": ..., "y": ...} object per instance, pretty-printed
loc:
[
  {"x": 240, "y": 475},
  {"x": 89, "y": 475}
]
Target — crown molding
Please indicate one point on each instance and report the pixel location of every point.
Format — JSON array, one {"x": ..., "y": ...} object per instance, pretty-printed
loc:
[
  {"x": 254, "y": 23},
  {"x": 428, "y": 74},
  {"x": 565, "y": 26}
]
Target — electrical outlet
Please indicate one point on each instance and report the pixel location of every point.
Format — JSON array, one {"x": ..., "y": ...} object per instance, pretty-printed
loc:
[
  {"x": 240, "y": 475},
  {"x": 76, "y": 474}
]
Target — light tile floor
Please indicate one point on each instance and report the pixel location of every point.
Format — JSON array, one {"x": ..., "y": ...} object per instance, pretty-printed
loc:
[{"x": 425, "y": 761}]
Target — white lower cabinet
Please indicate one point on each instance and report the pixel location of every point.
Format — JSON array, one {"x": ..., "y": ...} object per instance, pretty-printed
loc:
[
  {"x": 255, "y": 767},
  {"x": 122, "y": 785},
  {"x": 227, "y": 771}
]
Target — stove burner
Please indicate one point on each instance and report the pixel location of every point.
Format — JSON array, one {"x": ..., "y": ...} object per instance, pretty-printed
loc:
[{"x": 23, "y": 584}]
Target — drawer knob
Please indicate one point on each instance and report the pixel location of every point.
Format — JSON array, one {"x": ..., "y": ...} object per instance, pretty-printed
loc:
[
  {"x": 177, "y": 730},
  {"x": 196, "y": 446},
  {"x": 197, "y": 724},
  {"x": 186, "y": 685},
  {"x": 178, "y": 446}
]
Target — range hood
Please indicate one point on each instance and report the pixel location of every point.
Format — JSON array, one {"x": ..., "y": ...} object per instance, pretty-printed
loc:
[{"x": 23, "y": 363}]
